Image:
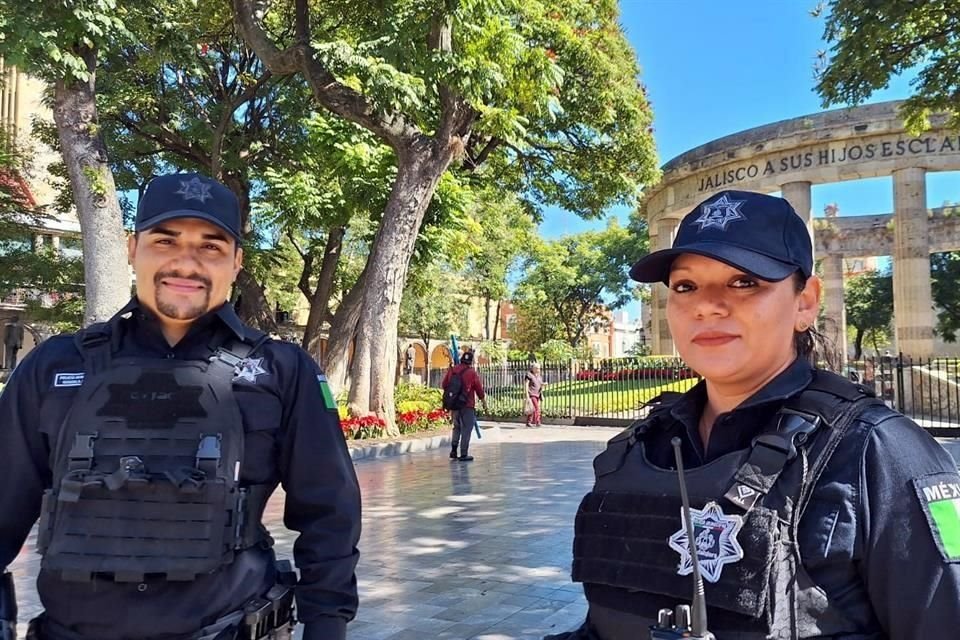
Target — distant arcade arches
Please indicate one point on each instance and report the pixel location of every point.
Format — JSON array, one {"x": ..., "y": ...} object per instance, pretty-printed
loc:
[{"x": 792, "y": 155}]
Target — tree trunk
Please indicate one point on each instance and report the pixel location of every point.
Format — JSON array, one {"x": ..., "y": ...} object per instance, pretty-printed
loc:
[
  {"x": 858, "y": 344},
  {"x": 253, "y": 307},
  {"x": 420, "y": 166},
  {"x": 343, "y": 330},
  {"x": 486, "y": 318},
  {"x": 320, "y": 300},
  {"x": 106, "y": 275},
  {"x": 496, "y": 321}
]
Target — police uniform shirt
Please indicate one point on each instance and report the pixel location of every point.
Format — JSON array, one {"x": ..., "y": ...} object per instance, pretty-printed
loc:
[
  {"x": 869, "y": 537},
  {"x": 291, "y": 437}
]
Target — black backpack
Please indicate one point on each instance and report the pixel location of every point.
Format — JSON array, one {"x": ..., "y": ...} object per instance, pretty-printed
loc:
[{"x": 455, "y": 394}]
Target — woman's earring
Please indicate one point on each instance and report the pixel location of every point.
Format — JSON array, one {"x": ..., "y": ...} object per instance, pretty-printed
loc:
[{"x": 803, "y": 327}]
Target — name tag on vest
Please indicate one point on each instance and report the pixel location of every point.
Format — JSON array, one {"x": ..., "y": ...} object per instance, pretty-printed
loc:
[{"x": 68, "y": 379}]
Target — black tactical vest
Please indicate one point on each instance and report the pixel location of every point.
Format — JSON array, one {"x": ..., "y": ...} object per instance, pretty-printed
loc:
[
  {"x": 629, "y": 531},
  {"x": 146, "y": 469}
]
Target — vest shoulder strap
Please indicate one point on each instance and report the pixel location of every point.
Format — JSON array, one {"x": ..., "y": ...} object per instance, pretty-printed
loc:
[
  {"x": 829, "y": 402},
  {"x": 95, "y": 345}
]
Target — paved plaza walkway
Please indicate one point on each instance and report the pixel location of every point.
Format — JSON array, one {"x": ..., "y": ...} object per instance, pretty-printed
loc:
[{"x": 455, "y": 550}]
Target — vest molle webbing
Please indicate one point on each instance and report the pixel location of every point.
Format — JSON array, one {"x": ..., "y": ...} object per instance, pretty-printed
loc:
[
  {"x": 146, "y": 470},
  {"x": 629, "y": 533}
]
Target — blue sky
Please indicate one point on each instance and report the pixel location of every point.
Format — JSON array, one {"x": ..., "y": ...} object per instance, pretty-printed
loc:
[{"x": 715, "y": 68}]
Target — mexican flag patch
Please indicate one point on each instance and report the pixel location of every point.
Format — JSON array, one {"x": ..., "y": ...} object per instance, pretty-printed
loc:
[
  {"x": 939, "y": 495},
  {"x": 328, "y": 401}
]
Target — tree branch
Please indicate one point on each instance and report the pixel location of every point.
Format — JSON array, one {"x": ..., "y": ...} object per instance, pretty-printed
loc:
[
  {"x": 393, "y": 128},
  {"x": 471, "y": 163},
  {"x": 168, "y": 140},
  {"x": 456, "y": 115}
]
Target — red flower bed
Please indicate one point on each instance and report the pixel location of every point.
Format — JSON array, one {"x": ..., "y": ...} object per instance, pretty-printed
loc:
[{"x": 356, "y": 428}]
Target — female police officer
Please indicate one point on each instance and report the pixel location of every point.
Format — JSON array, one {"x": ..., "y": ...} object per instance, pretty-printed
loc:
[{"x": 818, "y": 512}]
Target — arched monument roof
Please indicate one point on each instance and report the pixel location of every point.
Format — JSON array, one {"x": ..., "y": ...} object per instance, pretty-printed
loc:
[{"x": 830, "y": 146}]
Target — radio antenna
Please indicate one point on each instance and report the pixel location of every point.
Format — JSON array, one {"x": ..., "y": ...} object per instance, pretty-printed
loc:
[{"x": 699, "y": 607}]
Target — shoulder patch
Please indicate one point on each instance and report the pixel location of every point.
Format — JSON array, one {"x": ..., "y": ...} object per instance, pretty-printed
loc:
[
  {"x": 939, "y": 495},
  {"x": 328, "y": 400}
]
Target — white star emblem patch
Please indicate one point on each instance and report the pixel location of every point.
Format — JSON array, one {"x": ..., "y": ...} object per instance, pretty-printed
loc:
[
  {"x": 716, "y": 540},
  {"x": 194, "y": 189},
  {"x": 720, "y": 213},
  {"x": 248, "y": 370}
]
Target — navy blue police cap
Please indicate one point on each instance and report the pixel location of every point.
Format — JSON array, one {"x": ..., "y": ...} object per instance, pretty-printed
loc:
[
  {"x": 188, "y": 195},
  {"x": 759, "y": 234}
]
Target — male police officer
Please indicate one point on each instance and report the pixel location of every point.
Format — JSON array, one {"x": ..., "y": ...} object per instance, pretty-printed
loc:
[{"x": 149, "y": 445}]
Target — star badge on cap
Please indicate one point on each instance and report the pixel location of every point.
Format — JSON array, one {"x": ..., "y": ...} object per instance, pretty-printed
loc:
[
  {"x": 716, "y": 539},
  {"x": 720, "y": 213},
  {"x": 194, "y": 189}
]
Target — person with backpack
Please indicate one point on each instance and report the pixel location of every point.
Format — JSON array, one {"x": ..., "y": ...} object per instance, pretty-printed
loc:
[{"x": 461, "y": 388}]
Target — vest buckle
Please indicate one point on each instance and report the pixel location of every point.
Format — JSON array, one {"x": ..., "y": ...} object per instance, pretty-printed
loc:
[
  {"x": 208, "y": 454},
  {"x": 793, "y": 429},
  {"x": 81, "y": 453}
]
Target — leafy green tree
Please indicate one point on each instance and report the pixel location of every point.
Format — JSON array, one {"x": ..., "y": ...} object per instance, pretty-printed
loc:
[
  {"x": 579, "y": 277},
  {"x": 945, "y": 271},
  {"x": 868, "y": 298},
  {"x": 506, "y": 232},
  {"x": 62, "y": 42},
  {"x": 496, "y": 350},
  {"x": 556, "y": 351},
  {"x": 874, "y": 41},
  {"x": 428, "y": 311},
  {"x": 48, "y": 281},
  {"x": 539, "y": 96},
  {"x": 188, "y": 94}
]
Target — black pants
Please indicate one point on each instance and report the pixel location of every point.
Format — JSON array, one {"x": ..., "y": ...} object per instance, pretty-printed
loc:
[{"x": 463, "y": 421}]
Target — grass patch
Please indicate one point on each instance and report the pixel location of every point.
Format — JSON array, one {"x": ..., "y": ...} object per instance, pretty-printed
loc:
[{"x": 586, "y": 397}]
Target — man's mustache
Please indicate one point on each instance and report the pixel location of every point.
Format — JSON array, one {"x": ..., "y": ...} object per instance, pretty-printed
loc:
[{"x": 176, "y": 274}]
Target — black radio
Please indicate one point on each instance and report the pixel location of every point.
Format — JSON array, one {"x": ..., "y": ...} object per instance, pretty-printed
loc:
[{"x": 685, "y": 621}]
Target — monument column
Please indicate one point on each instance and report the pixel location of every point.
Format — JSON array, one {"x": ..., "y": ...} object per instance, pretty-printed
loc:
[
  {"x": 798, "y": 195},
  {"x": 835, "y": 311},
  {"x": 912, "y": 295},
  {"x": 666, "y": 231}
]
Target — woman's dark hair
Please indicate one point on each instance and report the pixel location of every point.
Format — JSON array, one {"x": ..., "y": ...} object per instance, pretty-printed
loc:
[{"x": 812, "y": 344}]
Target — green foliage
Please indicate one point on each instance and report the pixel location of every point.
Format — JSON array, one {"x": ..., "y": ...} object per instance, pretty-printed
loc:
[
  {"x": 414, "y": 405},
  {"x": 430, "y": 308},
  {"x": 556, "y": 351},
  {"x": 533, "y": 326},
  {"x": 561, "y": 119},
  {"x": 417, "y": 393},
  {"x": 945, "y": 272},
  {"x": 505, "y": 232},
  {"x": 49, "y": 282},
  {"x": 495, "y": 350},
  {"x": 58, "y": 39},
  {"x": 868, "y": 298},
  {"x": 573, "y": 280},
  {"x": 639, "y": 349},
  {"x": 872, "y": 42}
]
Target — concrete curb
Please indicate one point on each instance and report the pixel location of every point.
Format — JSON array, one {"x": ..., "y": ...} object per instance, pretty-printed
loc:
[{"x": 491, "y": 433}]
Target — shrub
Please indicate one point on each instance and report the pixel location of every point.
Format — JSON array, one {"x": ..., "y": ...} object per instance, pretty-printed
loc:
[
  {"x": 414, "y": 405},
  {"x": 405, "y": 392}
]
